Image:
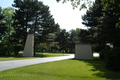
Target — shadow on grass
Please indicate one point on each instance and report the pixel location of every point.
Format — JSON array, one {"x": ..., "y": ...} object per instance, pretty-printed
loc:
[{"x": 102, "y": 71}]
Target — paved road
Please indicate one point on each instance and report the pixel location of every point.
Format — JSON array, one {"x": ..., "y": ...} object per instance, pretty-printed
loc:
[{"x": 5, "y": 65}]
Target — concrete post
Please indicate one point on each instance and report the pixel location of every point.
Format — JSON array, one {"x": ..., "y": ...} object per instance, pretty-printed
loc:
[
  {"x": 83, "y": 51},
  {"x": 29, "y": 46}
]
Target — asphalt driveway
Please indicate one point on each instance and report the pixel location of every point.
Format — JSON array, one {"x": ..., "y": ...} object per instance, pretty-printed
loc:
[{"x": 5, "y": 65}]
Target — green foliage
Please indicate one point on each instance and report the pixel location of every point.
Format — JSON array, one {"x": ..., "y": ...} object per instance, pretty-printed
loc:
[
  {"x": 32, "y": 17},
  {"x": 5, "y": 49},
  {"x": 8, "y": 20},
  {"x": 92, "y": 20},
  {"x": 83, "y": 6},
  {"x": 112, "y": 58},
  {"x": 99, "y": 48},
  {"x": 103, "y": 25},
  {"x": 42, "y": 46},
  {"x": 2, "y": 25},
  {"x": 73, "y": 39},
  {"x": 111, "y": 21},
  {"x": 63, "y": 39},
  {"x": 17, "y": 48},
  {"x": 102, "y": 50},
  {"x": 103, "y": 53},
  {"x": 67, "y": 40},
  {"x": 84, "y": 36},
  {"x": 7, "y": 28},
  {"x": 78, "y": 3},
  {"x": 2, "y": 49}
]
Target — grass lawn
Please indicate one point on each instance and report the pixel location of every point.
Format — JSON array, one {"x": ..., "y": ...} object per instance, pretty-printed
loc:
[
  {"x": 39, "y": 55},
  {"x": 62, "y": 70}
]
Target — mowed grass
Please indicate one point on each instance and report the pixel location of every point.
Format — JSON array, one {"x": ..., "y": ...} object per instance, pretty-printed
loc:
[
  {"x": 38, "y": 55},
  {"x": 62, "y": 70}
]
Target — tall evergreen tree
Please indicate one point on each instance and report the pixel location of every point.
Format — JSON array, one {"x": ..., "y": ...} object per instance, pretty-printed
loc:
[
  {"x": 103, "y": 22},
  {"x": 32, "y": 16},
  {"x": 73, "y": 39},
  {"x": 111, "y": 22},
  {"x": 63, "y": 40},
  {"x": 92, "y": 19},
  {"x": 23, "y": 18}
]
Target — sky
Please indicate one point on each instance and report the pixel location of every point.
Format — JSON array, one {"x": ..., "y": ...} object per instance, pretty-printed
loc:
[{"x": 64, "y": 14}]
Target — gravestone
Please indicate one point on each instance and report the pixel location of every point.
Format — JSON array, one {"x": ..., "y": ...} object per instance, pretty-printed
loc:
[
  {"x": 29, "y": 46},
  {"x": 83, "y": 51}
]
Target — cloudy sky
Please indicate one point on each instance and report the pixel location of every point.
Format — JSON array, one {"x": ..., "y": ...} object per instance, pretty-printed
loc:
[{"x": 63, "y": 14}]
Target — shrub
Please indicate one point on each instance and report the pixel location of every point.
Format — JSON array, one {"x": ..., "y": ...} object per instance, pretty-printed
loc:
[
  {"x": 99, "y": 48},
  {"x": 102, "y": 53},
  {"x": 112, "y": 59},
  {"x": 2, "y": 50},
  {"x": 5, "y": 49},
  {"x": 17, "y": 48}
]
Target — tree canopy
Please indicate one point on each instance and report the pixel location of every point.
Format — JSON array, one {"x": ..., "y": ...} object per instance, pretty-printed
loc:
[
  {"x": 32, "y": 17},
  {"x": 103, "y": 28},
  {"x": 78, "y": 3},
  {"x": 2, "y": 25}
]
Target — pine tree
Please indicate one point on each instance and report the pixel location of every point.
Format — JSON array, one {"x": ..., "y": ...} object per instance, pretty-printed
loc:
[
  {"x": 111, "y": 22},
  {"x": 92, "y": 19},
  {"x": 34, "y": 17},
  {"x": 102, "y": 20},
  {"x": 63, "y": 39}
]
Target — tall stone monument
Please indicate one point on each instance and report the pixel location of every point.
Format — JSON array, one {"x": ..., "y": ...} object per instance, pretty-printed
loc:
[
  {"x": 83, "y": 51},
  {"x": 29, "y": 46}
]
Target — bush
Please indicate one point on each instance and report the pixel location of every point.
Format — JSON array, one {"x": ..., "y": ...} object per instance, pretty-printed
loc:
[
  {"x": 99, "y": 48},
  {"x": 17, "y": 48},
  {"x": 5, "y": 49},
  {"x": 112, "y": 59},
  {"x": 103, "y": 52}
]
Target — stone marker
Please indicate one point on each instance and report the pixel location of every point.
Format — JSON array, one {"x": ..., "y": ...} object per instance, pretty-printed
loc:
[
  {"x": 83, "y": 51},
  {"x": 29, "y": 46}
]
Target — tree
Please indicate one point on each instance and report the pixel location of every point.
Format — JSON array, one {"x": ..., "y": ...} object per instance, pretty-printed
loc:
[
  {"x": 32, "y": 16},
  {"x": 82, "y": 4},
  {"x": 3, "y": 29},
  {"x": 103, "y": 25},
  {"x": 73, "y": 39},
  {"x": 2, "y": 25},
  {"x": 49, "y": 40},
  {"x": 92, "y": 19},
  {"x": 22, "y": 19},
  {"x": 112, "y": 22},
  {"x": 63, "y": 40},
  {"x": 76, "y": 3},
  {"x": 8, "y": 13}
]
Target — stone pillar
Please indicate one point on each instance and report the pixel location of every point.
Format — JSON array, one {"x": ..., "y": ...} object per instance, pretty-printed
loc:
[
  {"x": 83, "y": 51},
  {"x": 29, "y": 46}
]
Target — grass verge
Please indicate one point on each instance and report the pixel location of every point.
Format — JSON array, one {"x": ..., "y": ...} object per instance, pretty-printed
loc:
[
  {"x": 38, "y": 55},
  {"x": 62, "y": 70}
]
